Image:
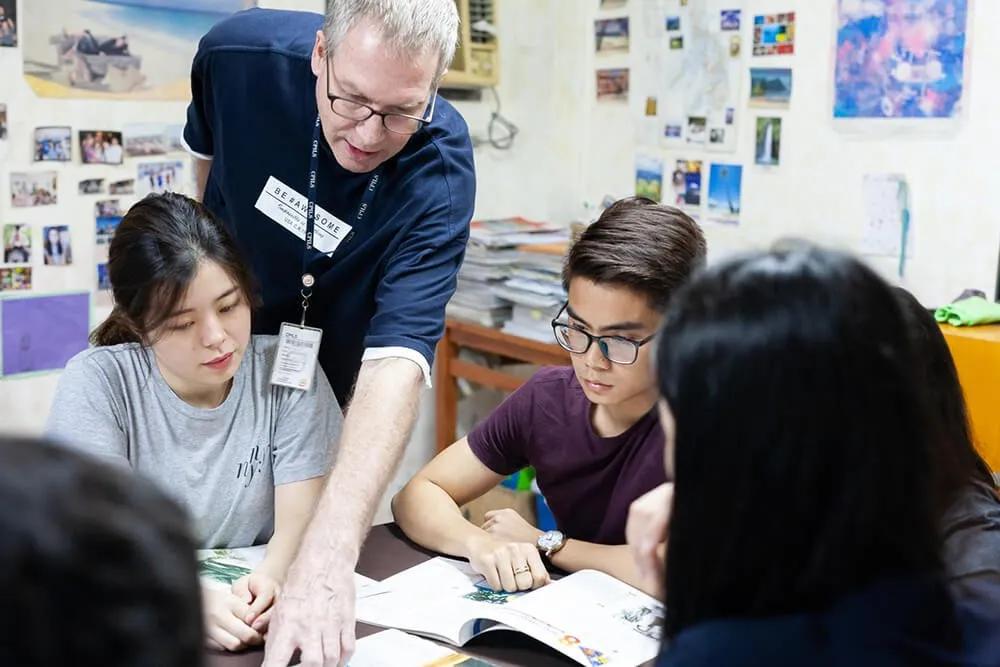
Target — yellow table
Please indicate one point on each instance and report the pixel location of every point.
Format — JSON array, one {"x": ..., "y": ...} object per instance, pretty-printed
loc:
[{"x": 976, "y": 351}]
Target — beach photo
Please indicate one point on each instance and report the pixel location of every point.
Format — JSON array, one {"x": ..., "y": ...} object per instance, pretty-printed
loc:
[
  {"x": 159, "y": 177},
  {"x": 116, "y": 49},
  {"x": 725, "y": 185},
  {"x": 770, "y": 88},
  {"x": 146, "y": 139},
  {"x": 611, "y": 35}
]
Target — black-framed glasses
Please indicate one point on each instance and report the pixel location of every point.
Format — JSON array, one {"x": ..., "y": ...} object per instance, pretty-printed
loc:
[
  {"x": 400, "y": 123},
  {"x": 616, "y": 349}
]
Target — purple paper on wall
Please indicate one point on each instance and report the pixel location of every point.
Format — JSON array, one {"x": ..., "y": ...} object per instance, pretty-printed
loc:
[{"x": 42, "y": 333}]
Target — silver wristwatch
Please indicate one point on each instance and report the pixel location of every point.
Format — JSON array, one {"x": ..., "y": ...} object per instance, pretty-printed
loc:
[{"x": 550, "y": 542}]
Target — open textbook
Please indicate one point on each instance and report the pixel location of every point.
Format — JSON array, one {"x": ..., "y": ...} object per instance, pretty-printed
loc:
[
  {"x": 589, "y": 616},
  {"x": 219, "y": 568},
  {"x": 392, "y": 648}
]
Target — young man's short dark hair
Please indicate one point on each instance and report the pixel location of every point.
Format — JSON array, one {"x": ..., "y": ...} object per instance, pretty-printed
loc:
[
  {"x": 636, "y": 243},
  {"x": 97, "y": 566}
]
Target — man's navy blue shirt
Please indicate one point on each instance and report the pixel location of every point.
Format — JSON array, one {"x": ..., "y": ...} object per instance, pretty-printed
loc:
[{"x": 253, "y": 111}]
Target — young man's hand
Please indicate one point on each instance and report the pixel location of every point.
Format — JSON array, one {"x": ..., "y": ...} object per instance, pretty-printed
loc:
[
  {"x": 225, "y": 628},
  {"x": 507, "y": 525},
  {"x": 260, "y": 591},
  {"x": 508, "y": 564}
]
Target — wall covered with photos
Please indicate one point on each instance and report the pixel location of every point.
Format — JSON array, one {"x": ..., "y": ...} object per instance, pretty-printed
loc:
[{"x": 851, "y": 127}]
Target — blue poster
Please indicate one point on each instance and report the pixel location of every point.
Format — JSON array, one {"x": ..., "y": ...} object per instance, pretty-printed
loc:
[{"x": 900, "y": 58}]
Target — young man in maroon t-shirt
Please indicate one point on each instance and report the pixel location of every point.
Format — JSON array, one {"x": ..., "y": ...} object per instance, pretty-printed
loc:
[{"x": 591, "y": 431}]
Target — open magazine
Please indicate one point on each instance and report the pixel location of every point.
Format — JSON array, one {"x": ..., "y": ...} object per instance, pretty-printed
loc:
[
  {"x": 589, "y": 616},
  {"x": 392, "y": 648},
  {"x": 219, "y": 568}
]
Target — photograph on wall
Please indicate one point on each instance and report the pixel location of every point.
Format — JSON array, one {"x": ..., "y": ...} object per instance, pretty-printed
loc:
[
  {"x": 108, "y": 208},
  {"x": 53, "y": 144},
  {"x": 8, "y": 23},
  {"x": 15, "y": 279},
  {"x": 148, "y": 139},
  {"x": 3, "y": 131},
  {"x": 612, "y": 4},
  {"x": 649, "y": 177},
  {"x": 696, "y": 129},
  {"x": 730, "y": 19},
  {"x": 16, "y": 244},
  {"x": 686, "y": 181},
  {"x": 90, "y": 186},
  {"x": 42, "y": 333},
  {"x": 159, "y": 177},
  {"x": 124, "y": 187},
  {"x": 105, "y": 229},
  {"x": 611, "y": 35},
  {"x": 725, "y": 186},
  {"x": 770, "y": 87},
  {"x": 103, "y": 279},
  {"x": 101, "y": 147},
  {"x": 897, "y": 59},
  {"x": 56, "y": 248},
  {"x": 768, "y": 142},
  {"x": 116, "y": 49},
  {"x": 612, "y": 84},
  {"x": 33, "y": 188},
  {"x": 774, "y": 34}
]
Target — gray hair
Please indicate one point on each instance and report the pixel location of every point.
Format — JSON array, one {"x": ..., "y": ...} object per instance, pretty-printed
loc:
[{"x": 408, "y": 26}]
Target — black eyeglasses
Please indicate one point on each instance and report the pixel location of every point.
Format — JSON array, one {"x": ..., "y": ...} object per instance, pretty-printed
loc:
[
  {"x": 616, "y": 349},
  {"x": 400, "y": 123}
]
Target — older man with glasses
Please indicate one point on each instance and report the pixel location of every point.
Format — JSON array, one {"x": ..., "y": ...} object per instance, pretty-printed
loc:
[{"x": 350, "y": 186}]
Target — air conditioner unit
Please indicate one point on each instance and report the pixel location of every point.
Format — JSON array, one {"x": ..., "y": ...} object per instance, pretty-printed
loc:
[{"x": 477, "y": 58}]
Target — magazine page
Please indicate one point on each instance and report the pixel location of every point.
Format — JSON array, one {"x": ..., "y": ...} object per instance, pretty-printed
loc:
[
  {"x": 592, "y": 618},
  {"x": 392, "y": 648},
  {"x": 441, "y": 598},
  {"x": 219, "y": 568}
]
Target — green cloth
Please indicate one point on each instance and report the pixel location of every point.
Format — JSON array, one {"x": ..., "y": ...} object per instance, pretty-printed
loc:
[{"x": 969, "y": 312}]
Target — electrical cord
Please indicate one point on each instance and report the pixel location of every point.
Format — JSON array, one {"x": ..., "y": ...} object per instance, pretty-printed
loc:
[{"x": 500, "y": 132}]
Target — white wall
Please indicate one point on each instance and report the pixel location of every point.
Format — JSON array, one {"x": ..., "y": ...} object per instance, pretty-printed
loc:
[{"x": 570, "y": 149}]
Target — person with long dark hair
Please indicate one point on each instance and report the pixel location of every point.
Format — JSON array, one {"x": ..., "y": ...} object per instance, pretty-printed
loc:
[
  {"x": 177, "y": 389},
  {"x": 804, "y": 526}
]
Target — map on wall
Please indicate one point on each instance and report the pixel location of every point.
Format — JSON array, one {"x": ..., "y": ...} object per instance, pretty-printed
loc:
[
  {"x": 687, "y": 82},
  {"x": 116, "y": 49},
  {"x": 900, "y": 58}
]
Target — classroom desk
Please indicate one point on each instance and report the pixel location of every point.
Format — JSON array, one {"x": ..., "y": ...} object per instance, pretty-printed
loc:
[
  {"x": 386, "y": 552},
  {"x": 459, "y": 334}
]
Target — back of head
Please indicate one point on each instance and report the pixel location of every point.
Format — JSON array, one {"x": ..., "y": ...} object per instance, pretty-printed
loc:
[
  {"x": 154, "y": 256},
  {"x": 956, "y": 459},
  {"x": 97, "y": 567},
  {"x": 407, "y": 26},
  {"x": 650, "y": 248},
  {"x": 801, "y": 447}
]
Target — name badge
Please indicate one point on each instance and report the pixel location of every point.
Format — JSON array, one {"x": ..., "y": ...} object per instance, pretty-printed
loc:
[
  {"x": 298, "y": 352},
  {"x": 287, "y": 207}
]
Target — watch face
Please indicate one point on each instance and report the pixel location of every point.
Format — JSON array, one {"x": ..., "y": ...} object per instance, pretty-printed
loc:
[{"x": 550, "y": 539}]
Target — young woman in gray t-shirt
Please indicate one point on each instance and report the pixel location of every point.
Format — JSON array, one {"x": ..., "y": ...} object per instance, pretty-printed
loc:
[{"x": 177, "y": 389}]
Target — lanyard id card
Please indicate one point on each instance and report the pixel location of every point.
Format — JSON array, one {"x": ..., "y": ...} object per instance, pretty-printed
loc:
[{"x": 298, "y": 345}]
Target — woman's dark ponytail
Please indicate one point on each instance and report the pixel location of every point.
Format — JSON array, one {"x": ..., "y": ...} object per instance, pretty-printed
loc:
[{"x": 116, "y": 329}]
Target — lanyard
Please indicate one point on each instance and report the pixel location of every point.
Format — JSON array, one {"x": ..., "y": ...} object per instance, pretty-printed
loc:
[{"x": 308, "y": 280}]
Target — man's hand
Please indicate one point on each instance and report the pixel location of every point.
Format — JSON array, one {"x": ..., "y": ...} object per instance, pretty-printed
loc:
[
  {"x": 646, "y": 530},
  {"x": 508, "y": 566},
  {"x": 225, "y": 628},
  {"x": 315, "y": 613},
  {"x": 507, "y": 525},
  {"x": 259, "y": 591}
]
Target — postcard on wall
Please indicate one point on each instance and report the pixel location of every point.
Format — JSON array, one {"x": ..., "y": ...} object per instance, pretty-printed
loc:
[
  {"x": 912, "y": 64},
  {"x": 105, "y": 229},
  {"x": 8, "y": 23},
  {"x": 57, "y": 250},
  {"x": 16, "y": 244},
  {"x": 126, "y": 49},
  {"x": 612, "y": 84},
  {"x": 159, "y": 177},
  {"x": 124, "y": 187},
  {"x": 3, "y": 131},
  {"x": 100, "y": 147},
  {"x": 150, "y": 139},
  {"x": 15, "y": 278},
  {"x": 770, "y": 87},
  {"x": 730, "y": 19},
  {"x": 774, "y": 34},
  {"x": 696, "y": 129},
  {"x": 42, "y": 333},
  {"x": 611, "y": 35},
  {"x": 649, "y": 176},
  {"x": 887, "y": 217},
  {"x": 33, "y": 188},
  {"x": 768, "y": 142},
  {"x": 686, "y": 181},
  {"x": 725, "y": 188},
  {"x": 108, "y": 208},
  {"x": 53, "y": 144},
  {"x": 103, "y": 296},
  {"x": 612, "y": 4}
]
